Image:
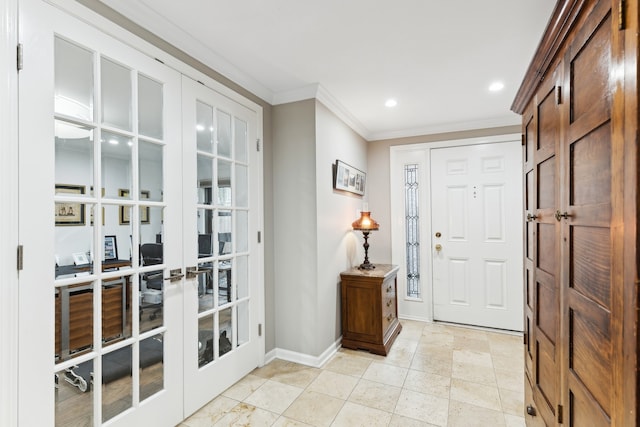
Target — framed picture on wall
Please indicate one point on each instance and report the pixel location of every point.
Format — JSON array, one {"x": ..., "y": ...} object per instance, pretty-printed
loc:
[
  {"x": 348, "y": 178},
  {"x": 125, "y": 211},
  {"x": 69, "y": 213}
]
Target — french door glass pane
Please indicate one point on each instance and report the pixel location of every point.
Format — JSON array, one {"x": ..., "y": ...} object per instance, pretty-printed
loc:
[
  {"x": 151, "y": 366},
  {"x": 73, "y": 80},
  {"x": 149, "y": 107},
  {"x": 117, "y": 386},
  {"x": 117, "y": 95},
  {"x": 73, "y": 320},
  {"x": 117, "y": 161},
  {"x": 224, "y": 233},
  {"x": 116, "y": 309},
  {"x": 73, "y": 239},
  {"x": 224, "y": 282},
  {"x": 242, "y": 276},
  {"x": 74, "y": 399},
  {"x": 74, "y": 156},
  {"x": 224, "y": 134},
  {"x": 224, "y": 183},
  {"x": 205, "y": 179},
  {"x": 150, "y": 169},
  {"x": 242, "y": 186},
  {"x": 205, "y": 340},
  {"x": 243, "y": 322},
  {"x": 242, "y": 231},
  {"x": 204, "y": 127},
  {"x": 240, "y": 140},
  {"x": 225, "y": 338},
  {"x": 205, "y": 287}
]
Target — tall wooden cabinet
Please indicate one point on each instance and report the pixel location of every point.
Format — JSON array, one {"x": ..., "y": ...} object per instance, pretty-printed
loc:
[{"x": 580, "y": 125}]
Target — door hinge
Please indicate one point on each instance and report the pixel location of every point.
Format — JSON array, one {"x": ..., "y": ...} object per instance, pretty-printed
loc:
[
  {"x": 258, "y": 144},
  {"x": 621, "y": 15},
  {"x": 558, "y": 95},
  {"x": 524, "y": 338},
  {"x": 259, "y": 236},
  {"x": 259, "y": 329},
  {"x": 559, "y": 412},
  {"x": 523, "y": 141},
  {"x": 19, "y": 57},
  {"x": 20, "y": 254}
]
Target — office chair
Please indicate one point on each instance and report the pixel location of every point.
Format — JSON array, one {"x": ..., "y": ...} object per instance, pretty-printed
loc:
[{"x": 151, "y": 254}]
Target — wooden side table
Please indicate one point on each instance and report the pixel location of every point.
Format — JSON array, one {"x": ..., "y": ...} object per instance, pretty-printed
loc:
[{"x": 369, "y": 308}]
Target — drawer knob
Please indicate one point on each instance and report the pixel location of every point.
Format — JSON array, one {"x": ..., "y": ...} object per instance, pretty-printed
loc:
[
  {"x": 389, "y": 317},
  {"x": 531, "y": 410},
  {"x": 389, "y": 303},
  {"x": 389, "y": 288}
]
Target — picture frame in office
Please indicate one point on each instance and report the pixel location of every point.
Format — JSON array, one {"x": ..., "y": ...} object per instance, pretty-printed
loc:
[
  {"x": 125, "y": 215},
  {"x": 110, "y": 247},
  {"x": 348, "y": 178},
  {"x": 69, "y": 213},
  {"x": 80, "y": 258}
]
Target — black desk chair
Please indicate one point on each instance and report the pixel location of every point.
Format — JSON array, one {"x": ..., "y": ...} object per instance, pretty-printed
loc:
[{"x": 151, "y": 254}]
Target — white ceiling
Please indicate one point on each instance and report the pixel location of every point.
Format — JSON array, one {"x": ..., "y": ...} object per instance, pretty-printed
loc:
[{"x": 436, "y": 57}]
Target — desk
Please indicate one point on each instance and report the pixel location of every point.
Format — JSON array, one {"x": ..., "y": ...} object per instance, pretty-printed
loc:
[{"x": 110, "y": 264}]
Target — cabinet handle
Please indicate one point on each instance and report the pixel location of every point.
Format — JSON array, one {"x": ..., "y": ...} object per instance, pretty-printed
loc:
[
  {"x": 531, "y": 217},
  {"x": 389, "y": 317},
  {"x": 389, "y": 303},
  {"x": 531, "y": 410},
  {"x": 560, "y": 215},
  {"x": 389, "y": 288}
]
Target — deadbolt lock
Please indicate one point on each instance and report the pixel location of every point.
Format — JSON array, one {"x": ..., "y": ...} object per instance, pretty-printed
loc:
[{"x": 438, "y": 234}]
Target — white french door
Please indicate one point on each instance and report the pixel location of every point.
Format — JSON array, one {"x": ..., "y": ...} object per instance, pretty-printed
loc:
[
  {"x": 221, "y": 195},
  {"x": 113, "y": 206}
]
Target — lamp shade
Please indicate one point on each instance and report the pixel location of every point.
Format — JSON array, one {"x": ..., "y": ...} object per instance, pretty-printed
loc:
[{"x": 365, "y": 222}]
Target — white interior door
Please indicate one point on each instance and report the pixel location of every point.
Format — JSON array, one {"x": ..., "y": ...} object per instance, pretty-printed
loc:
[
  {"x": 476, "y": 195},
  {"x": 101, "y": 331},
  {"x": 222, "y": 201}
]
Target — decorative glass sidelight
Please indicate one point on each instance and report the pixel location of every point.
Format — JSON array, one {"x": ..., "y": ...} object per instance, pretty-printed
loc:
[{"x": 412, "y": 220}]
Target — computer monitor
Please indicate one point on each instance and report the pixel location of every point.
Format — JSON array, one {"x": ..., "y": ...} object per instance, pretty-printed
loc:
[{"x": 205, "y": 245}]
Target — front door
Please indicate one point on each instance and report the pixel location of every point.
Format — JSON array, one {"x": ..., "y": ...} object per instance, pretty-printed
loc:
[{"x": 476, "y": 239}]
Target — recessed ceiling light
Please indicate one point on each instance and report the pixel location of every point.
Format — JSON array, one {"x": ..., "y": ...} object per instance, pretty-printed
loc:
[
  {"x": 496, "y": 86},
  {"x": 390, "y": 103},
  {"x": 113, "y": 141},
  {"x": 199, "y": 128}
]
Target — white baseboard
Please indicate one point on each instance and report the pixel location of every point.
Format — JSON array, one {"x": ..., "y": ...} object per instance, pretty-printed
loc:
[{"x": 301, "y": 358}]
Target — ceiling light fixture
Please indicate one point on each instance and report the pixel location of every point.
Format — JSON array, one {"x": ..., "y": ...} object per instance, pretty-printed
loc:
[
  {"x": 496, "y": 86},
  {"x": 390, "y": 103},
  {"x": 113, "y": 141}
]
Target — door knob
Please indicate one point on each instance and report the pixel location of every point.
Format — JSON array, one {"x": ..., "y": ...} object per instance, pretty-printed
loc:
[{"x": 438, "y": 247}]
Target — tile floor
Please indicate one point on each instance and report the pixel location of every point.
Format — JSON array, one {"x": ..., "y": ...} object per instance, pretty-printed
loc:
[{"x": 434, "y": 375}]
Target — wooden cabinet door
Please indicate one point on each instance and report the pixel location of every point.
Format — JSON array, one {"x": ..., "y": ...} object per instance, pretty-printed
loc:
[
  {"x": 585, "y": 215},
  {"x": 546, "y": 287}
]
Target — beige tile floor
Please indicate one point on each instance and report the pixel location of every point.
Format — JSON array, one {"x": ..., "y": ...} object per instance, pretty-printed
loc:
[{"x": 434, "y": 375}]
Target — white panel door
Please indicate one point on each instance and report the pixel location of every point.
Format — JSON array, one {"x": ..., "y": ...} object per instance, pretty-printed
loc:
[
  {"x": 100, "y": 326},
  {"x": 222, "y": 205},
  {"x": 476, "y": 195}
]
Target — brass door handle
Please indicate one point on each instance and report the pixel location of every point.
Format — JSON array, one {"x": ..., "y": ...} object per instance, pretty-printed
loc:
[
  {"x": 560, "y": 215},
  {"x": 174, "y": 275},
  {"x": 193, "y": 272}
]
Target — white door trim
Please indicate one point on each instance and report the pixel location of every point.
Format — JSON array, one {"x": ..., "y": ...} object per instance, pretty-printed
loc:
[
  {"x": 9, "y": 212},
  {"x": 408, "y": 308}
]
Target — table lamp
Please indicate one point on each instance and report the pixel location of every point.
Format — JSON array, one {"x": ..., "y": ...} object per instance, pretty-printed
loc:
[{"x": 366, "y": 224}]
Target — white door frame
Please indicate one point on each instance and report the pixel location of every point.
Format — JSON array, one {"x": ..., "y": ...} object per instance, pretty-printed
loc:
[
  {"x": 422, "y": 308},
  {"x": 9, "y": 212}
]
